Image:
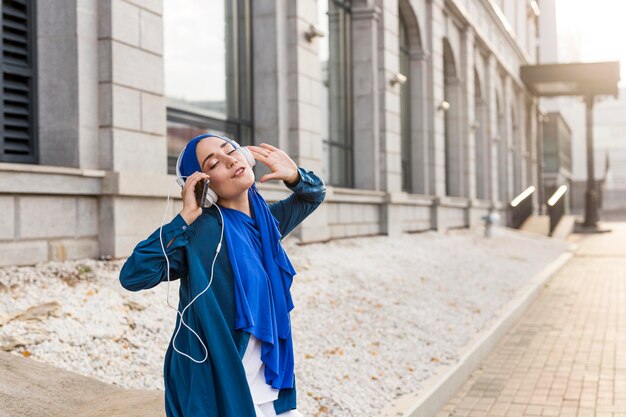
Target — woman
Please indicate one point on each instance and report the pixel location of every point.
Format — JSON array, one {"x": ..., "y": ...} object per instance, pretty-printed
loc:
[{"x": 243, "y": 317}]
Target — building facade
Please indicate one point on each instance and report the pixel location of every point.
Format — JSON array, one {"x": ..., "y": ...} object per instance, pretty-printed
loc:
[
  {"x": 412, "y": 111},
  {"x": 562, "y": 44}
]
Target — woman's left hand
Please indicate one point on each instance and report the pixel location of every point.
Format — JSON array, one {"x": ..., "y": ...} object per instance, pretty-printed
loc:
[{"x": 281, "y": 165}]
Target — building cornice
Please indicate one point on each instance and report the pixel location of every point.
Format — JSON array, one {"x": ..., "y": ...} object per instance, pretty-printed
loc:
[{"x": 462, "y": 16}]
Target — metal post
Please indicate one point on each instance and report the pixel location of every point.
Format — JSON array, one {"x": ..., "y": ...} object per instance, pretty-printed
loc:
[
  {"x": 591, "y": 195},
  {"x": 540, "y": 186}
]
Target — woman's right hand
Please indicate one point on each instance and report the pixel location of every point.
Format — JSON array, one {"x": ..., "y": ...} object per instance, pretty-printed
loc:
[{"x": 191, "y": 211}]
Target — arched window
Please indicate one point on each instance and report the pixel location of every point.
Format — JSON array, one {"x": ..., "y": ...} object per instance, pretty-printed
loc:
[
  {"x": 515, "y": 151},
  {"x": 415, "y": 140},
  {"x": 405, "y": 108},
  {"x": 452, "y": 131},
  {"x": 208, "y": 75},
  {"x": 335, "y": 53},
  {"x": 501, "y": 151},
  {"x": 482, "y": 160},
  {"x": 528, "y": 149}
]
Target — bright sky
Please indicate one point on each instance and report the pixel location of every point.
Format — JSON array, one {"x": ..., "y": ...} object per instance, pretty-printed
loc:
[{"x": 601, "y": 26}]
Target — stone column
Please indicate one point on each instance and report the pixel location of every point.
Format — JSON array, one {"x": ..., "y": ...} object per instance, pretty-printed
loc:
[
  {"x": 482, "y": 149},
  {"x": 437, "y": 151},
  {"x": 365, "y": 17},
  {"x": 67, "y": 60},
  {"x": 468, "y": 151},
  {"x": 271, "y": 83},
  {"x": 132, "y": 102},
  {"x": 390, "y": 116},
  {"x": 302, "y": 112},
  {"x": 389, "y": 60},
  {"x": 492, "y": 123},
  {"x": 270, "y": 72},
  {"x": 419, "y": 122},
  {"x": 132, "y": 120},
  {"x": 508, "y": 142}
]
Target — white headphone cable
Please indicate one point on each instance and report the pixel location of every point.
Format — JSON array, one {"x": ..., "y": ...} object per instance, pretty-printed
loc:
[{"x": 219, "y": 246}]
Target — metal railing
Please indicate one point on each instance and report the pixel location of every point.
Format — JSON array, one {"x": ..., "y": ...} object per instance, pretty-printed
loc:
[
  {"x": 521, "y": 208},
  {"x": 556, "y": 207}
]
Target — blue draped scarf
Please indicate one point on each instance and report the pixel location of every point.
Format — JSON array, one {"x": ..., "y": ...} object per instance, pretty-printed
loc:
[{"x": 262, "y": 276}]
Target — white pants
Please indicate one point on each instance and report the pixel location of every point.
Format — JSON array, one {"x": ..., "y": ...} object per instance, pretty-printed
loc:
[{"x": 263, "y": 394}]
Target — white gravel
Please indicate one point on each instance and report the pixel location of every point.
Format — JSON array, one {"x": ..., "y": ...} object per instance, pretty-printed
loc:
[{"x": 374, "y": 316}]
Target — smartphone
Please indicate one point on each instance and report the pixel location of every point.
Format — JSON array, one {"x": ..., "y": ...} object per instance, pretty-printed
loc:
[{"x": 200, "y": 191}]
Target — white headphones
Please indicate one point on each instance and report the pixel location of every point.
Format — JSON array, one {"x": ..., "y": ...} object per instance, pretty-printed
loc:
[
  {"x": 211, "y": 197},
  {"x": 209, "y": 200}
]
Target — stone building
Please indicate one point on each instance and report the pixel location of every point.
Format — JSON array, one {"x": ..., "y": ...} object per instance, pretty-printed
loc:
[{"x": 412, "y": 111}]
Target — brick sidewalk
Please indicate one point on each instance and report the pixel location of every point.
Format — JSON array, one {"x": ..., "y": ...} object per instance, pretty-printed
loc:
[{"x": 567, "y": 355}]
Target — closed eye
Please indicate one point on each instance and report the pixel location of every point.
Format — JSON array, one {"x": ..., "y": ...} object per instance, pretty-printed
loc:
[{"x": 219, "y": 161}]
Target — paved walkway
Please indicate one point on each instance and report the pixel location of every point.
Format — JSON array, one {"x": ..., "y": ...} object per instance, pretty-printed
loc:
[
  {"x": 567, "y": 355},
  {"x": 29, "y": 388}
]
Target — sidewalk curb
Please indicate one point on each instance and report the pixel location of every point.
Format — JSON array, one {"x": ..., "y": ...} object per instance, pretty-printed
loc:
[{"x": 444, "y": 384}]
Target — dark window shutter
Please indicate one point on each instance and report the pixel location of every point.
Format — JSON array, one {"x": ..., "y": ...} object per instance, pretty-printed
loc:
[{"x": 17, "y": 107}]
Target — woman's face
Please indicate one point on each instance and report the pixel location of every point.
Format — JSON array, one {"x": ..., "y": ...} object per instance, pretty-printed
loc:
[{"x": 220, "y": 161}]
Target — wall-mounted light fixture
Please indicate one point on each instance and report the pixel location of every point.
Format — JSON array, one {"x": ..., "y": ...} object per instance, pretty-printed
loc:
[
  {"x": 398, "y": 79},
  {"x": 443, "y": 106},
  {"x": 314, "y": 32}
]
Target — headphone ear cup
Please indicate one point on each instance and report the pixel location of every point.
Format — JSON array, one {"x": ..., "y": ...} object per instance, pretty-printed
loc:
[
  {"x": 248, "y": 155},
  {"x": 179, "y": 179},
  {"x": 211, "y": 198}
]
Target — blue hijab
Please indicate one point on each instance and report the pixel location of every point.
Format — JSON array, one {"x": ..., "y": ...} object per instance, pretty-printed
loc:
[
  {"x": 262, "y": 275},
  {"x": 189, "y": 160}
]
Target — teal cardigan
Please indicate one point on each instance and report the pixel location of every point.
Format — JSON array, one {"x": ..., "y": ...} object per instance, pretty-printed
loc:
[{"x": 217, "y": 387}]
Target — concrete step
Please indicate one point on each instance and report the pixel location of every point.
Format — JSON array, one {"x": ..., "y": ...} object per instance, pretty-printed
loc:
[
  {"x": 31, "y": 388},
  {"x": 537, "y": 224},
  {"x": 565, "y": 227},
  {"x": 541, "y": 225}
]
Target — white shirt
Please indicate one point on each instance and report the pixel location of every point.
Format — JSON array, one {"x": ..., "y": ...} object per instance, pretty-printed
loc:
[{"x": 263, "y": 394}]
